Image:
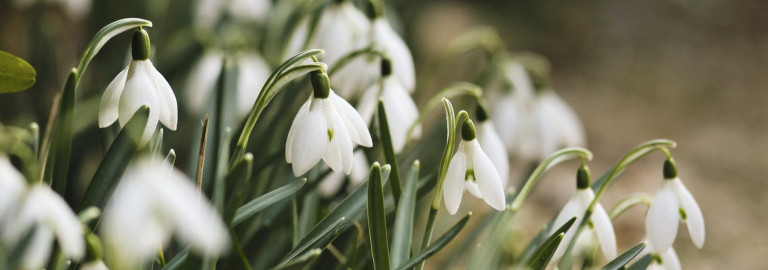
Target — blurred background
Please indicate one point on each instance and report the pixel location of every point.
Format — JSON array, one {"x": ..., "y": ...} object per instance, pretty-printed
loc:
[{"x": 695, "y": 72}]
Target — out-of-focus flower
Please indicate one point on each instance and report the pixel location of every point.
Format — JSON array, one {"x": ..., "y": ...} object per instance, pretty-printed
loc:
[
  {"x": 209, "y": 12},
  {"x": 533, "y": 122},
  {"x": 330, "y": 184},
  {"x": 76, "y": 9},
  {"x": 472, "y": 170},
  {"x": 12, "y": 187},
  {"x": 673, "y": 203},
  {"x": 139, "y": 84},
  {"x": 601, "y": 224},
  {"x": 383, "y": 36},
  {"x": 152, "y": 202},
  {"x": 46, "y": 215},
  {"x": 252, "y": 73},
  {"x": 325, "y": 128},
  {"x": 400, "y": 108}
]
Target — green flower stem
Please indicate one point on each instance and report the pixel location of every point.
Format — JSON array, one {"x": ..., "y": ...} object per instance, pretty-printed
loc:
[
  {"x": 344, "y": 60},
  {"x": 453, "y": 90},
  {"x": 285, "y": 73},
  {"x": 549, "y": 162},
  {"x": 628, "y": 202}
]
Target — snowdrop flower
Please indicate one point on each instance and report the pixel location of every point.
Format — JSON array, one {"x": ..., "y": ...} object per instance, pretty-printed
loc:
[
  {"x": 12, "y": 187},
  {"x": 209, "y": 12},
  {"x": 534, "y": 122},
  {"x": 490, "y": 141},
  {"x": 46, "y": 215},
  {"x": 325, "y": 128},
  {"x": 400, "y": 108},
  {"x": 152, "y": 202},
  {"x": 673, "y": 203},
  {"x": 600, "y": 223},
  {"x": 330, "y": 185},
  {"x": 667, "y": 260},
  {"x": 139, "y": 84},
  {"x": 252, "y": 73},
  {"x": 471, "y": 169},
  {"x": 393, "y": 45}
]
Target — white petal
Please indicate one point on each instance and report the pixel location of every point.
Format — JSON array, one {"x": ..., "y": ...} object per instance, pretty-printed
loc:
[
  {"x": 358, "y": 130},
  {"x": 401, "y": 111},
  {"x": 473, "y": 189},
  {"x": 39, "y": 250},
  {"x": 340, "y": 147},
  {"x": 662, "y": 219},
  {"x": 571, "y": 130},
  {"x": 66, "y": 225},
  {"x": 491, "y": 143},
  {"x": 303, "y": 111},
  {"x": 357, "y": 75},
  {"x": 369, "y": 102},
  {"x": 604, "y": 231},
  {"x": 402, "y": 61},
  {"x": 331, "y": 184},
  {"x": 694, "y": 218},
  {"x": 342, "y": 29},
  {"x": 310, "y": 140},
  {"x": 488, "y": 179},
  {"x": 298, "y": 38},
  {"x": 108, "y": 109},
  {"x": 12, "y": 186},
  {"x": 573, "y": 208},
  {"x": 169, "y": 110},
  {"x": 202, "y": 79},
  {"x": 253, "y": 72},
  {"x": 359, "y": 168},
  {"x": 94, "y": 265},
  {"x": 453, "y": 188},
  {"x": 139, "y": 90},
  {"x": 506, "y": 118},
  {"x": 670, "y": 261}
]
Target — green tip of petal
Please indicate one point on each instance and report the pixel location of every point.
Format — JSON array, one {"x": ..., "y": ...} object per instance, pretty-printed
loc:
[{"x": 140, "y": 45}]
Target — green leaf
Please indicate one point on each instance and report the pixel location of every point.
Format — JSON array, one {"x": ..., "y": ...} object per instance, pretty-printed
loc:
[
  {"x": 262, "y": 202},
  {"x": 541, "y": 260},
  {"x": 437, "y": 245},
  {"x": 377, "y": 220},
  {"x": 546, "y": 249},
  {"x": 15, "y": 73},
  {"x": 403, "y": 231},
  {"x": 642, "y": 263},
  {"x": 389, "y": 152},
  {"x": 57, "y": 162},
  {"x": 178, "y": 261},
  {"x": 624, "y": 258},
  {"x": 115, "y": 162},
  {"x": 300, "y": 262},
  {"x": 104, "y": 35},
  {"x": 238, "y": 178},
  {"x": 338, "y": 220}
]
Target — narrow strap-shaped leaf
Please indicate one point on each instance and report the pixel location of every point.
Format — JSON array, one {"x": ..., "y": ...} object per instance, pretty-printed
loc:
[
  {"x": 377, "y": 220},
  {"x": 301, "y": 261},
  {"x": 178, "y": 261},
  {"x": 57, "y": 164},
  {"x": 104, "y": 35},
  {"x": 236, "y": 180},
  {"x": 389, "y": 152},
  {"x": 624, "y": 258},
  {"x": 545, "y": 250},
  {"x": 115, "y": 162},
  {"x": 15, "y": 73},
  {"x": 256, "y": 205},
  {"x": 345, "y": 214},
  {"x": 541, "y": 260},
  {"x": 642, "y": 263},
  {"x": 403, "y": 230},
  {"x": 437, "y": 245}
]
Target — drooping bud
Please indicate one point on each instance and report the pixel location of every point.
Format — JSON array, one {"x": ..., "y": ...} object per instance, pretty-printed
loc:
[
  {"x": 468, "y": 130},
  {"x": 320, "y": 83},
  {"x": 140, "y": 45},
  {"x": 670, "y": 169},
  {"x": 582, "y": 177}
]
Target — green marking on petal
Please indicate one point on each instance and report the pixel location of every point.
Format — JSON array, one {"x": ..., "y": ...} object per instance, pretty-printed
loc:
[
  {"x": 330, "y": 135},
  {"x": 591, "y": 225},
  {"x": 683, "y": 215},
  {"x": 657, "y": 259},
  {"x": 470, "y": 175}
]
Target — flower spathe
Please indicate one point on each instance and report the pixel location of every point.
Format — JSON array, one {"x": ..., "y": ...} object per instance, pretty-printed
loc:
[
  {"x": 137, "y": 85},
  {"x": 153, "y": 202},
  {"x": 46, "y": 215},
  {"x": 471, "y": 169},
  {"x": 325, "y": 128},
  {"x": 673, "y": 203},
  {"x": 601, "y": 224}
]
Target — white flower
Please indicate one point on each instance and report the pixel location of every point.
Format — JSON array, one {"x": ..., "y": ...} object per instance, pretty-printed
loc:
[
  {"x": 139, "y": 84},
  {"x": 94, "y": 265},
  {"x": 325, "y": 127},
  {"x": 342, "y": 29},
  {"x": 46, "y": 215},
  {"x": 209, "y": 12},
  {"x": 252, "y": 73},
  {"x": 600, "y": 224},
  {"x": 393, "y": 45},
  {"x": 494, "y": 147},
  {"x": 360, "y": 169},
  {"x": 673, "y": 203},
  {"x": 471, "y": 169},
  {"x": 558, "y": 123},
  {"x": 669, "y": 260},
  {"x": 12, "y": 187},
  {"x": 152, "y": 202},
  {"x": 398, "y": 104}
]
